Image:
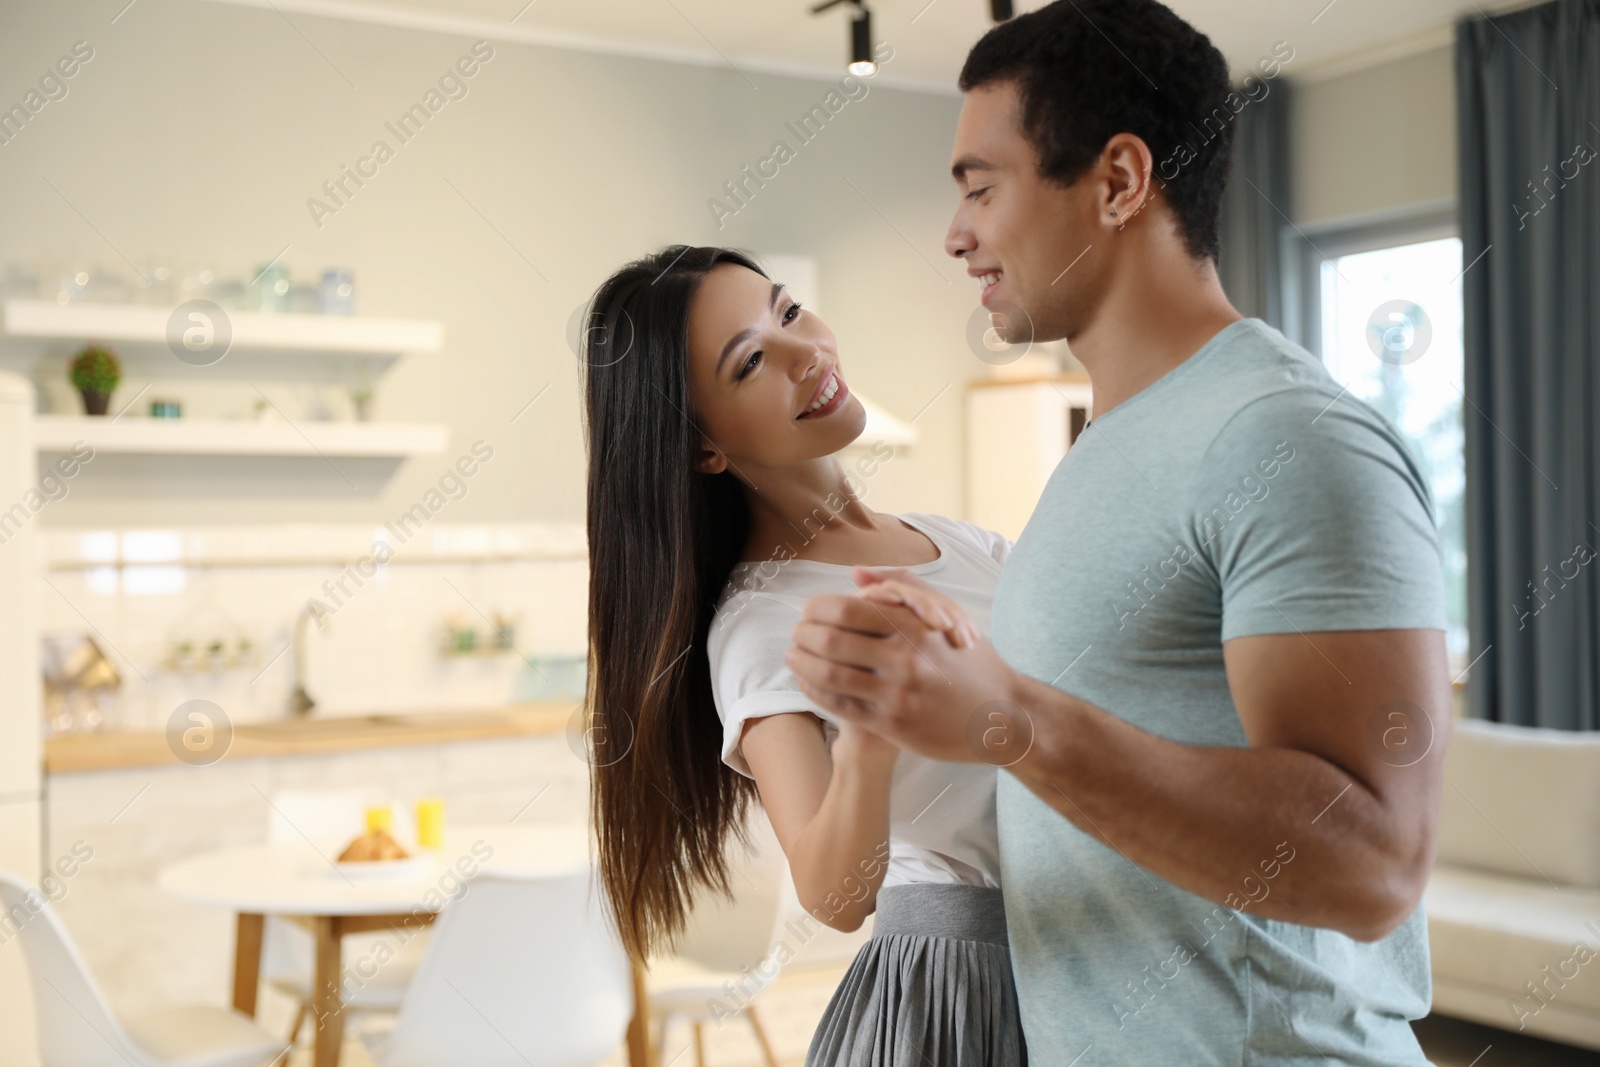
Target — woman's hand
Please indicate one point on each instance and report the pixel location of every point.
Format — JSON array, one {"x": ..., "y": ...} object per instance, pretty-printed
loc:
[
  {"x": 884, "y": 668},
  {"x": 937, "y": 611}
]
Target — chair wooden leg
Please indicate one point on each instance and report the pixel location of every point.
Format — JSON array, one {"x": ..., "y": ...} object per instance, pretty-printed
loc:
[
  {"x": 699, "y": 1045},
  {"x": 658, "y": 1027},
  {"x": 299, "y": 1017},
  {"x": 761, "y": 1037},
  {"x": 640, "y": 1053}
]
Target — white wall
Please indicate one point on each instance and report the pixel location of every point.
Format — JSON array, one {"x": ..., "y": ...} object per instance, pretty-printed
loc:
[
  {"x": 199, "y": 130},
  {"x": 1374, "y": 140}
]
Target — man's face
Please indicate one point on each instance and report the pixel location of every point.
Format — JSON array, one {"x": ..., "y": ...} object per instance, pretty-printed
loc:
[{"x": 1036, "y": 235}]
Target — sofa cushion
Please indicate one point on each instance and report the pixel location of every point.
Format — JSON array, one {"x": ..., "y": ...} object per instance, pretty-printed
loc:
[
  {"x": 1497, "y": 933},
  {"x": 1522, "y": 801}
]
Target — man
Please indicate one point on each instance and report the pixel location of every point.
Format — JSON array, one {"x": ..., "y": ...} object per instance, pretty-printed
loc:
[{"x": 1218, "y": 679}]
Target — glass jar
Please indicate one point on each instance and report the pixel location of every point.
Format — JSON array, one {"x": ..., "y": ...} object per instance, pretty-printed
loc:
[
  {"x": 338, "y": 291},
  {"x": 271, "y": 289}
]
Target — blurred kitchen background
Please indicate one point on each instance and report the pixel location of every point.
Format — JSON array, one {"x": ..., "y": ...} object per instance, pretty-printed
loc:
[{"x": 324, "y": 536}]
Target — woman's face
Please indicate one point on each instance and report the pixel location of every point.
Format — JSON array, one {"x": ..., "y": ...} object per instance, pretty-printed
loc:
[{"x": 764, "y": 376}]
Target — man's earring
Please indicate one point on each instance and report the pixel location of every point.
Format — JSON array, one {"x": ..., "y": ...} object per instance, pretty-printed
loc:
[{"x": 1113, "y": 212}]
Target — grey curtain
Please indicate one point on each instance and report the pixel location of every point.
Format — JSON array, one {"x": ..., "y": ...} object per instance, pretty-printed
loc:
[
  {"x": 1528, "y": 86},
  {"x": 1256, "y": 205}
]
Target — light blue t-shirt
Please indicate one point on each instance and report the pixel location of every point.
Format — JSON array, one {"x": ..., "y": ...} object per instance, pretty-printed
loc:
[{"x": 1242, "y": 493}]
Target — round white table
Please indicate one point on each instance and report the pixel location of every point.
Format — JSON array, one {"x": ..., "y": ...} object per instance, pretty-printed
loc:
[
  {"x": 301, "y": 879},
  {"x": 302, "y": 883}
]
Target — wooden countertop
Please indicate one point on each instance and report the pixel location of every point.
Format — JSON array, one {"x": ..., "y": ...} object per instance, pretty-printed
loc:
[{"x": 113, "y": 749}]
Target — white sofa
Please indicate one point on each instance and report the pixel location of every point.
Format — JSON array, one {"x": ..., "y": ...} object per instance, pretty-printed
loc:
[{"x": 1514, "y": 900}]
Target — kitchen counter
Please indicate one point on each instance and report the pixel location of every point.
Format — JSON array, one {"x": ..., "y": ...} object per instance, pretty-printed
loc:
[{"x": 113, "y": 749}]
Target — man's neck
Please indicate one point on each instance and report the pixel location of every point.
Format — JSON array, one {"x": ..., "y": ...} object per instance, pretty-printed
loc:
[{"x": 1151, "y": 320}]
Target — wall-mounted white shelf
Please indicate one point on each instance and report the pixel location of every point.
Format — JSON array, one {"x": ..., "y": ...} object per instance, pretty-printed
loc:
[
  {"x": 136, "y": 323},
  {"x": 54, "y": 434},
  {"x": 300, "y": 544}
]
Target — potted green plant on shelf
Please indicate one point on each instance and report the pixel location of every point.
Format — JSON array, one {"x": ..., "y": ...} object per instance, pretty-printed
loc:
[
  {"x": 361, "y": 394},
  {"x": 96, "y": 372}
]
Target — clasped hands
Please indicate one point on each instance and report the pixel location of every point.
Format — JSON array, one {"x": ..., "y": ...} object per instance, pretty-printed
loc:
[{"x": 907, "y": 663}]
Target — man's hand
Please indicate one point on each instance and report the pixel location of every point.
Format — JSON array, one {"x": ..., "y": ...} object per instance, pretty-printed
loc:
[{"x": 880, "y": 666}]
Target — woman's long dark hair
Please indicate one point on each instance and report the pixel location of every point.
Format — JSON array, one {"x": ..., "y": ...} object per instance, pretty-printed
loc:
[{"x": 663, "y": 538}]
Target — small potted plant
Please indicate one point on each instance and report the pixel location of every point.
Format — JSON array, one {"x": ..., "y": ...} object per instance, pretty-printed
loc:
[
  {"x": 96, "y": 372},
  {"x": 361, "y": 401},
  {"x": 361, "y": 394}
]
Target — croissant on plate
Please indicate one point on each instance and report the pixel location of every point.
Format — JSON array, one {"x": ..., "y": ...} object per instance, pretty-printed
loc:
[{"x": 372, "y": 846}]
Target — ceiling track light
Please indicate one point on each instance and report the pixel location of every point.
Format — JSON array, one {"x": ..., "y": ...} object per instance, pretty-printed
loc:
[{"x": 861, "y": 61}]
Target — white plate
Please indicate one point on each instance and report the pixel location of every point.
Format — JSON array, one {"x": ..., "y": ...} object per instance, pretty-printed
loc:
[{"x": 410, "y": 867}]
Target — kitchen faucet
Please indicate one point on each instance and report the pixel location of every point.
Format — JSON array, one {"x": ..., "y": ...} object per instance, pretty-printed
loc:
[{"x": 300, "y": 702}]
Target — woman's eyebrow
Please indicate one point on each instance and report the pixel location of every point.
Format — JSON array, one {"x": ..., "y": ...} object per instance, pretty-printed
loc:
[{"x": 743, "y": 335}]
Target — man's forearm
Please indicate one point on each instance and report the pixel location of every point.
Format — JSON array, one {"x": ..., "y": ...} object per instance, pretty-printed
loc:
[{"x": 1219, "y": 821}]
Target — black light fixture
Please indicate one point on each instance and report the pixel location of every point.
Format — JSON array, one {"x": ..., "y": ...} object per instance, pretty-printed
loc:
[
  {"x": 861, "y": 61},
  {"x": 1000, "y": 10}
]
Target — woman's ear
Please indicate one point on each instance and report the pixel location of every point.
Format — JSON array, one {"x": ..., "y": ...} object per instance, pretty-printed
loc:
[{"x": 710, "y": 460}]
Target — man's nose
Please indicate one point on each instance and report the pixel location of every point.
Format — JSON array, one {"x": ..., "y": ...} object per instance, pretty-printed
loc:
[{"x": 958, "y": 240}]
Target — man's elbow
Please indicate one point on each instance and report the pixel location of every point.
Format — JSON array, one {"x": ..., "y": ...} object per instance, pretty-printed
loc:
[{"x": 1389, "y": 898}]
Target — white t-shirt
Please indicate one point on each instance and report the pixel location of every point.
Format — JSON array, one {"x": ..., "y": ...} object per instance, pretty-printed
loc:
[{"x": 941, "y": 815}]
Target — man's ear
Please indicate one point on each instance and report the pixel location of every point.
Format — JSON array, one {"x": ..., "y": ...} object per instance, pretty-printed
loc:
[
  {"x": 1128, "y": 189},
  {"x": 710, "y": 459}
]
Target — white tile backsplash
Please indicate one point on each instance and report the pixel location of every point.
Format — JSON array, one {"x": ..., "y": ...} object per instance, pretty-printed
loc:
[{"x": 139, "y": 592}]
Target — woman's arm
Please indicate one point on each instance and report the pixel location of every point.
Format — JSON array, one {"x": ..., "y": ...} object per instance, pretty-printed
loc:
[{"x": 830, "y": 811}]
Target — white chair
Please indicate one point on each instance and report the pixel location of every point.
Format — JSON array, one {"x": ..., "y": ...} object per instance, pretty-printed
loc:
[
  {"x": 520, "y": 972},
  {"x": 78, "y": 1029},
  {"x": 727, "y": 946},
  {"x": 329, "y": 820}
]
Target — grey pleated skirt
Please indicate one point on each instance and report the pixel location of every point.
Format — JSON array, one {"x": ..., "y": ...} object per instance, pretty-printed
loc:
[{"x": 933, "y": 988}]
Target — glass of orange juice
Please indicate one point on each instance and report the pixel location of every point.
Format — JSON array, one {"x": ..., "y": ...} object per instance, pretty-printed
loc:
[{"x": 430, "y": 822}]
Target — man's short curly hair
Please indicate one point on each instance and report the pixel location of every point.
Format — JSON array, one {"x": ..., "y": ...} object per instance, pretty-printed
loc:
[{"x": 1087, "y": 70}]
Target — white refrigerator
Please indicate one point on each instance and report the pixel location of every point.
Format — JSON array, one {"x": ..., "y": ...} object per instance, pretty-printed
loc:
[{"x": 20, "y": 714}]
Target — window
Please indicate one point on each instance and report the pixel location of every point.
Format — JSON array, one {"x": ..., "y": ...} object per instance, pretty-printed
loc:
[{"x": 1386, "y": 319}]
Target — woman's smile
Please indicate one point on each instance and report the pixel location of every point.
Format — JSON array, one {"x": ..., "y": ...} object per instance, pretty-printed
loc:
[{"x": 830, "y": 397}]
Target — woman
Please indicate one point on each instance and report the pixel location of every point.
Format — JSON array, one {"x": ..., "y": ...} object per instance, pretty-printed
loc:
[{"x": 714, "y": 407}]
